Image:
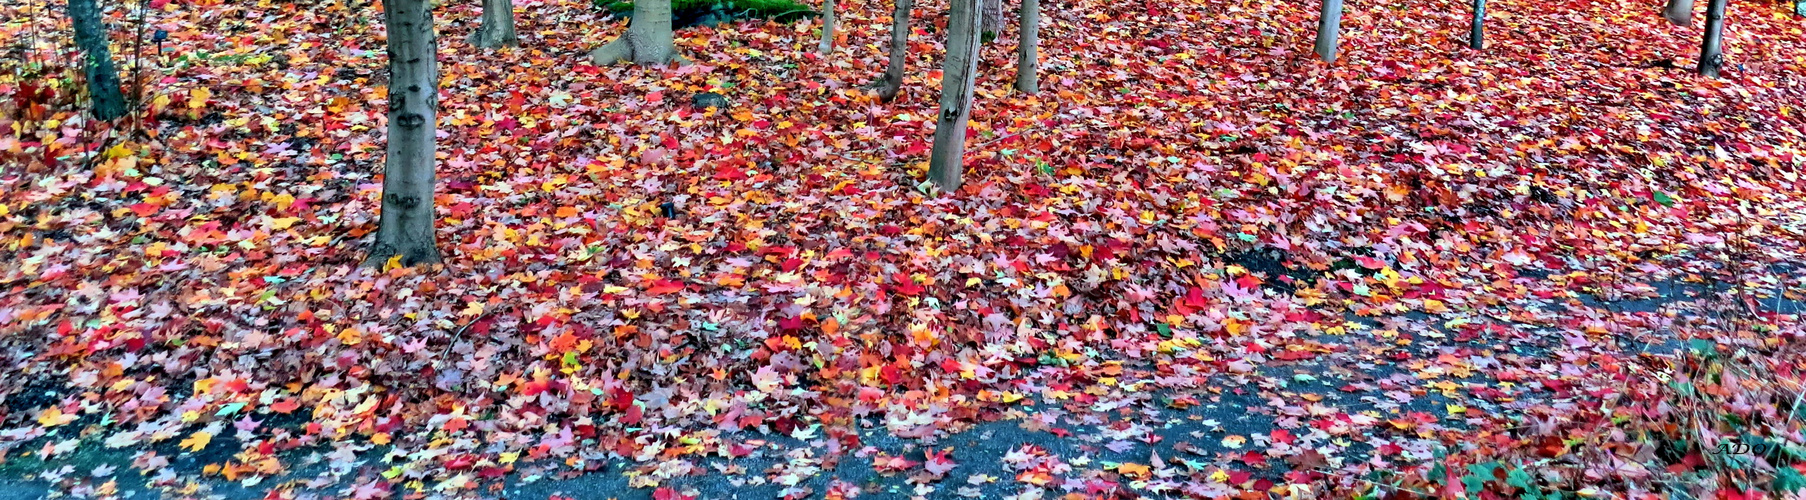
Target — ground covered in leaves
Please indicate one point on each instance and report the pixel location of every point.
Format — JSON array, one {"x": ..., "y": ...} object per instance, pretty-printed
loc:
[{"x": 1199, "y": 264}]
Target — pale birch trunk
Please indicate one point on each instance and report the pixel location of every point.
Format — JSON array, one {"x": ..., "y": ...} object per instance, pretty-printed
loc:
[
  {"x": 648, "y": 39},
  {"x": 1027, "y": 61},
  {"x": 406, "y": 227},
  {"x": 959, "y": 76},
  {"x": 827, "y": 28},
  {"x": 1329, "y": 29},
  {"x": 498, "y": 26},
  {"x": 97, "y": 59},
  {"x": 1679, "y": 12},
  {"x": 1711, "y": 57},
  {"x": 993, "y": 20},
  {"x": 899, "y": 51}
]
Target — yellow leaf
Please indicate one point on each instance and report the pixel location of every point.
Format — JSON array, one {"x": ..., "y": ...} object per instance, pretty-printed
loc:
[
  {"x": 283, "y": 223},
  {"x": 197, "y": 441},
  {"x": 1137, "y": 470},
  {"x": 351, "y": 336},
  {"x": 380, "y": 438},
  {"x": 54, "y": 417},
  {"x": 198, "y": 97}
]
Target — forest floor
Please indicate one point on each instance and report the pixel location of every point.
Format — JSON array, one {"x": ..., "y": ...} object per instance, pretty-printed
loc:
[{"x": 1198, "y": 264}]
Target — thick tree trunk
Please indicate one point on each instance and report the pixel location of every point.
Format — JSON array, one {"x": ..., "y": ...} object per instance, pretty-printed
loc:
[
  {"x": 827, "y": 28},
  {"x": 1329, "y": 29},
  {"x": 498, "y": 26},
  {"x": 1027, "y": 61},
  {"x": 1679, "y": 12},
  {"x": 648, "y": 39},
  {"x": 97, "y": 61},
  {"x": 993, "y": 21},
  {"x": 958, "y": 77},
  {"x": 1711, "y": 58},
  {"x": 899, "y": 50},
  {"x": 1476, "y": 37},
  {"x": 406, "y": 229}
]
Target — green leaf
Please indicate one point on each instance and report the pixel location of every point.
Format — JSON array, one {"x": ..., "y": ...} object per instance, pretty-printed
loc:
[
  {"x": 1664, "y": 199},
  {"x": 1789, "y": 480},
  {"x": 1517, "y": 478},
  {"x": 228, "y": 410}
]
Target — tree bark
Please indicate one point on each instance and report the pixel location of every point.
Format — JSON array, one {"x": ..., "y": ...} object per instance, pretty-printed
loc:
[
  {"x": 406, "y": 227},
  {"x": 1329, "y": 29},
  {"x": 1679, "y": 12},
  {"x": 648, "y": 39},
  {"x": 1476, "y": 37},
  {"x": 1711, "y": 58},
  {"x": 1027, "y": 61},
  {"x": 97, "y": 63},
  {"x": 993, "y": 20},
  {"x": 958, "y": 76},
  {"x": 899, "y": 50},
  {"x": 827, "y": 28},
  {"x": 498, "y": 26}
]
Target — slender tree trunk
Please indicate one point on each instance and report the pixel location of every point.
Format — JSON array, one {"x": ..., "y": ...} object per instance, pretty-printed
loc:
[
  {"x": 1476, "y": 37},
  {"x": 97, "y": 63},
  {"x": 899, "y": 50},
  {"x": 648, "y": 39},
  {"x": 1679, "y": 12},
  {"x": 993, "y": 21},
  {"x": 498, "y": 26},
  {"x": 406, "y": 229},
  {"x": 1329, "y": 29},
  {"x": 1027, "y": 61},
  {"x": 958, "y": 77},
  {"x": 1711, "y": 58},
  {"x": 827, "y": 28}
]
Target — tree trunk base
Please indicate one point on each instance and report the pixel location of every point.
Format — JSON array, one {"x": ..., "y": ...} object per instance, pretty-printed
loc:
[
  {"x": 382, "y": 253},
  {"x": 621, "y": 51},
  {"x": 492, "y": 40}
]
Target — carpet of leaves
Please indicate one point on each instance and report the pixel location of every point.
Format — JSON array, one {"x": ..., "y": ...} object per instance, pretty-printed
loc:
[{"x": 1397, "y": 255}]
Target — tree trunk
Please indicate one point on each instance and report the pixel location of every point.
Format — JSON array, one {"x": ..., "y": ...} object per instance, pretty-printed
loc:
[
  {"x": 1711, "y": 58},
  {"x": 97, "y": 64},
  {"x": 1027, "y": 61},
  {"x": 899, "y": 50},
  {"x": 993, "y": 21},
  {"x": 1679, "y": 12},
  {"x": 406, "y": 228},
  {"x": 498, "y": 26},
  {"x": 1329, "y": 29},
  {"x": 827, "y": 28},
  {"x": 648, "y": 39},
  {"x": 1476, "y": 37},
  {"x": 958, "y": 77}
]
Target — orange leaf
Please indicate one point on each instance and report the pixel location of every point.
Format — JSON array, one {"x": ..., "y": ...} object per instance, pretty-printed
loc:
[{"x": 285, "y": 406}]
